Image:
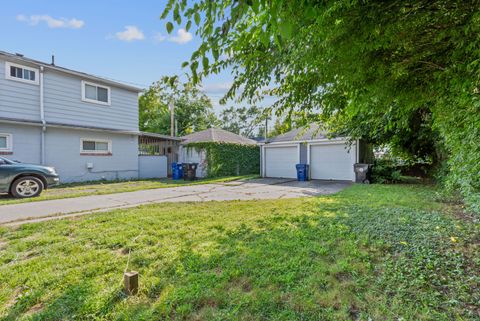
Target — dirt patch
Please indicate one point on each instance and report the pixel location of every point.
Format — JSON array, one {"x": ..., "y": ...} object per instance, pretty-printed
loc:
[
  {"x": 342, "y": 276},
  {"x": 122, "y": 251},
  {"x": 242, "y": 283},
  {"x": 458, "y": 211},
  {"x": 29, "y": 255},
  {"x": 34, "y": 309},
  {"x": 16, "y": 293},
  {"x": 354, "y": 312}
]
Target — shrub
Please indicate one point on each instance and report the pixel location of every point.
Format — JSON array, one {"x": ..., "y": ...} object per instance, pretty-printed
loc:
[{"x": 385, "y": 171}]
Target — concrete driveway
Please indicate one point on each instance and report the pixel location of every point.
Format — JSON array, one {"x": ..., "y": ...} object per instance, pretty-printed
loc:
[{"x": 255, "y": 189}]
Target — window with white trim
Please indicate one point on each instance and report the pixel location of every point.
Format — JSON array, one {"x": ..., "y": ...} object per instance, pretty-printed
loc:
[
  {"x": 95, "y": 146},
  {"x": 94, "y": 93},
  {"x": 21, "y": 73},
  {"x": 5, "y": 142}
]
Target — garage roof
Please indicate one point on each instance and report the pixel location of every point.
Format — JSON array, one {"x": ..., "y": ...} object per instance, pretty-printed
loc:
[
  {"x": 217, "y": 135},
  {"x": 309, "y": 132}
]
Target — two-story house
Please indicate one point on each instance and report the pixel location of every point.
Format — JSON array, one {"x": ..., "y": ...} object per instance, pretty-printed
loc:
[{"x": 83, "y": 125}]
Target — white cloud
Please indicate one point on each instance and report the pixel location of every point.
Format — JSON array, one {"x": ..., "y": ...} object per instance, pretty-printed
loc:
[
  {"x": 52, "y": 22},
  {"x": 158, "y": 37},
  {"x": 217, "y": 88},
  {"x": 182, "y": 37},
  {"x": 130, "y": 33}
]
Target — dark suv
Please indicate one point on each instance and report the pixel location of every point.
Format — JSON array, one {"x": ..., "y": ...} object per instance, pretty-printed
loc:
[{"x": 25, "y": 180}]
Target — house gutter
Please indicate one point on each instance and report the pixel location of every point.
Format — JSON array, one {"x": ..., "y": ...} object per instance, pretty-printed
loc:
[{"x": 42, "y": 119}]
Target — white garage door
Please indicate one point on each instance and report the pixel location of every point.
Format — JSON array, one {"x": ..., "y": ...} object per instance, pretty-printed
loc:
[
  {"x": 281, "y": 161},
  {"x": 332, "y": 161}
]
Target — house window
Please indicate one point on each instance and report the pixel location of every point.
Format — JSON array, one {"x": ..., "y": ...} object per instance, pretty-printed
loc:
[
  {"x": 5, "y": 143},
  {"x": 94, "y": 93},
  {"x": 95, "y": 146},
  {"x": 21, "y": 73}
]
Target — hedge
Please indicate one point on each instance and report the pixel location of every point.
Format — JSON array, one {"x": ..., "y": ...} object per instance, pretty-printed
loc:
[{"x": 224, "y": 159}]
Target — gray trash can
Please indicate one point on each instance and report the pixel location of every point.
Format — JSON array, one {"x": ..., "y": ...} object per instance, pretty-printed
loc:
[{"x": 362, "y": 173}]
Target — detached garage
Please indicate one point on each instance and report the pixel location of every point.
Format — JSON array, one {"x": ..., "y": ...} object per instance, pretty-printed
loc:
[{"x": 328, "y": 159}]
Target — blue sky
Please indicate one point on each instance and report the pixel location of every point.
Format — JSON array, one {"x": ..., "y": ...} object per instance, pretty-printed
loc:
[{"x": 122, "y": 40}]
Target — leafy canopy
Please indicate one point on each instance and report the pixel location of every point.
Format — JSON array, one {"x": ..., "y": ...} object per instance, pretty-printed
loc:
[
  {"x": 399, "y": 72},
  {"x": 193, "y": 109},
  {"x": 245, "y": 121}
]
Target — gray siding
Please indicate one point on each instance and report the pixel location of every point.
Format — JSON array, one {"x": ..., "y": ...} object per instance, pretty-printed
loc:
[
  {"x": 303, "y": 153},
  {"x": 17, "y": 99},
  {"x": 63, "y": 104},
  {"x": 63, "y": 152},
  {"x": 25, "y": 142}
]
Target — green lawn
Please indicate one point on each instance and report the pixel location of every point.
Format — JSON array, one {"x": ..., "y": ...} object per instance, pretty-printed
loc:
[
  {"x": 370, "y": 252},
  {"x": 111, "y": 187}
]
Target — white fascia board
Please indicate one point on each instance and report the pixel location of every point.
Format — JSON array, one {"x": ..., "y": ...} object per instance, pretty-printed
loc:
[{"x": 310, "y": 141}]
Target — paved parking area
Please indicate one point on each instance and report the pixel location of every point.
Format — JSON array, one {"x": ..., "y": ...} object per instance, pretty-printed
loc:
[{"x": 255, "y": 189}]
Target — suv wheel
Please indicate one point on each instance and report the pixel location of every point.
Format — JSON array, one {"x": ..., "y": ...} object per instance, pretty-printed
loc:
[{"x": 27, "y": 186}]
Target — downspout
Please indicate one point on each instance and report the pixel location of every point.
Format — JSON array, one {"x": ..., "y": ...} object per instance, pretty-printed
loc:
[{"x": 42, "y": 119}]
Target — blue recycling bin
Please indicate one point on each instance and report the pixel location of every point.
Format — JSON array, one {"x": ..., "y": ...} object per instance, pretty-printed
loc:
[
  {"x": 177, "y": 172},
  {"x": 302, "y": 172}
]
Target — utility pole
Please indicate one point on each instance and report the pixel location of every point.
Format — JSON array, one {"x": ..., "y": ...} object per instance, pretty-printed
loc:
[
  {"x": 172, "y": 118},
  {"x": 266, "y": 128}
]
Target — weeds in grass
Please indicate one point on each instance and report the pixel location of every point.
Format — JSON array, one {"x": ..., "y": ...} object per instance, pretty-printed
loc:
[{"x": 369, "y": 252}]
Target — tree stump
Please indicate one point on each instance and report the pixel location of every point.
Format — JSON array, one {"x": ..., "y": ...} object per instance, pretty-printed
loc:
[{"x": 130, "y": 281}]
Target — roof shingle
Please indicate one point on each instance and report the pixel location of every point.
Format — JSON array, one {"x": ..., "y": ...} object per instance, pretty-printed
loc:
[
  {"x": 217, "y": 135},
  {"x": 309, "y": 132}
]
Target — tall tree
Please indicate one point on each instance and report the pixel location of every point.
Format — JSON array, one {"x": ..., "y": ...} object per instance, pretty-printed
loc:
[
  {"x": 242, "y": 120},
  {"x": 380, "y": 70},
  {"x": 193, "y": 109}
]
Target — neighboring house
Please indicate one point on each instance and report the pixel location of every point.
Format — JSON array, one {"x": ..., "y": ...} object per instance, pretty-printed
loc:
[
  {"x": 83, "y": 125},
  {"x": 328, "y": 158},
  {"x": 211, "y": 135}
]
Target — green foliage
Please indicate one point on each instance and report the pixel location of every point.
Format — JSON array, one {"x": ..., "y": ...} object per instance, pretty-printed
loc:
[
  {"x": 193, "y": 109},
  {"x": 379, "y": 252},
  {"x": 242, "y": 120},
  {"x": 405, "y": 73},
  {"x": 229, "y": 159},
  {"x": 385, "y": 171},
  {"x": 294, "y": 119}
]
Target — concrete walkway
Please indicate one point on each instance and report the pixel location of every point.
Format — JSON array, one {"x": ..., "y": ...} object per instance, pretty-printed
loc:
[{"x": 238, "y": 190}]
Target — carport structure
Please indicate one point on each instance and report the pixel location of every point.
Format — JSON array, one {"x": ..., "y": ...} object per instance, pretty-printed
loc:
[
  {"x": 152, "y": 144},
  {"x": 328, "y": 158}
]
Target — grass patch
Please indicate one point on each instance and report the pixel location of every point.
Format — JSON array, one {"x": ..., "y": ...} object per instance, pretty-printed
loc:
[
  {"x": 111, "y": 187},
  {"x": 381, "y": 252}
]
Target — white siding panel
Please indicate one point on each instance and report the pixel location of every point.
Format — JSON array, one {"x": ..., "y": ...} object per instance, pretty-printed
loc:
[
  {"x": 152, "y": 166},
  {"x": 332, "y": 161},
  {"x": 281, "y": 161}
]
